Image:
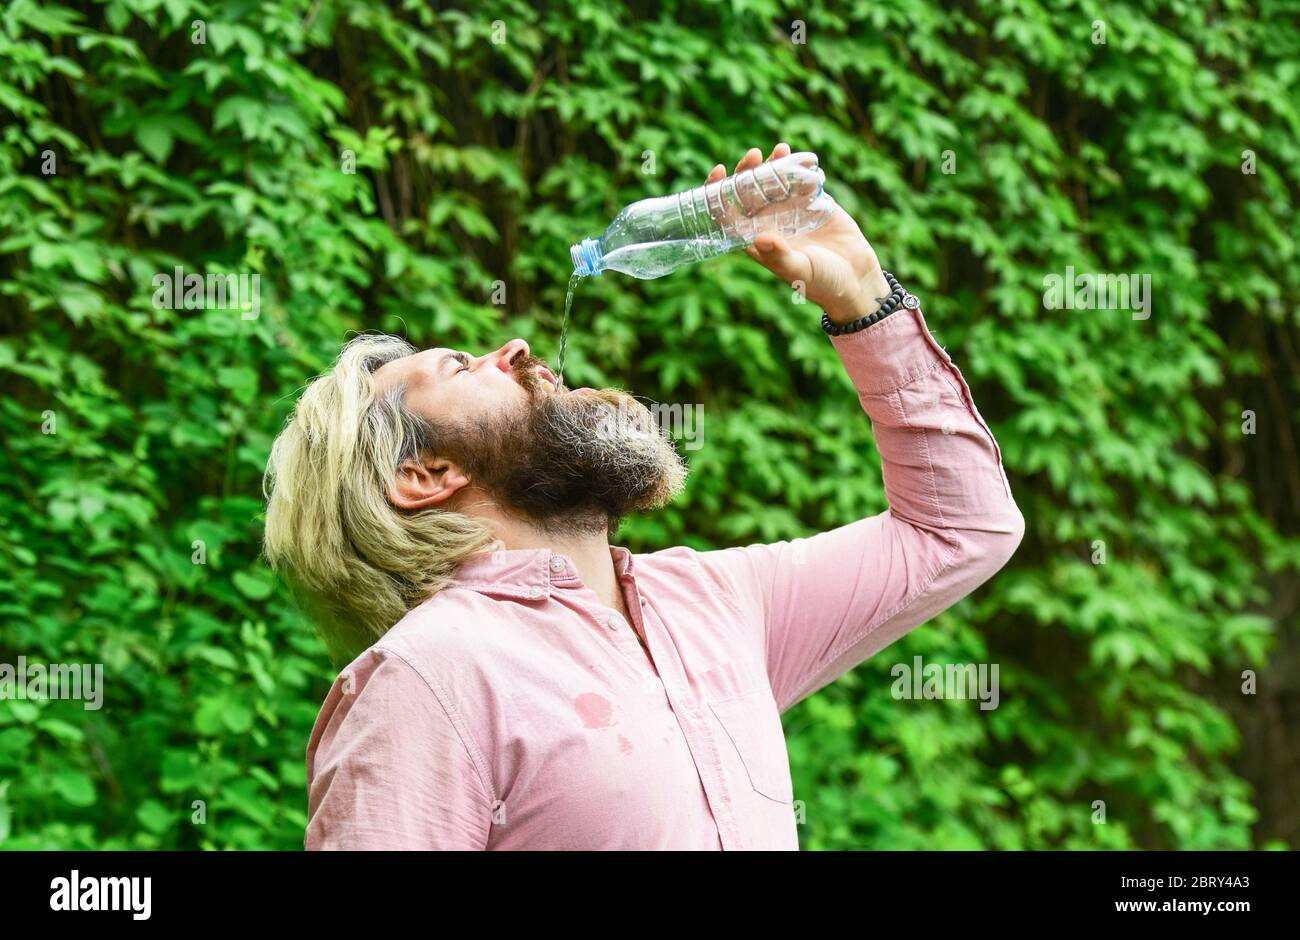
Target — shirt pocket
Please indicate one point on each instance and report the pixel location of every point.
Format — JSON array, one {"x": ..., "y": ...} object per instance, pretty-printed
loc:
[{"x": 743, "y": 704}]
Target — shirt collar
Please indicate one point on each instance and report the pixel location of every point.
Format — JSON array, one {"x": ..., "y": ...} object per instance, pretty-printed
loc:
[{"x": 528, "y": 573}]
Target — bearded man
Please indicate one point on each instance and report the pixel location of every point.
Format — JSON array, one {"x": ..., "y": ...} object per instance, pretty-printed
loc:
[{"x": 515, "y": 681}]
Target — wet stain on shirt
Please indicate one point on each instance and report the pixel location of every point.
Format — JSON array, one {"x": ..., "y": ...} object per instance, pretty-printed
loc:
[{"x": 594, "y": 710}]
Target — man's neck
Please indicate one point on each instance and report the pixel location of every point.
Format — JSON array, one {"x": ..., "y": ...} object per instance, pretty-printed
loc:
[{"x": 587, "y": 549}]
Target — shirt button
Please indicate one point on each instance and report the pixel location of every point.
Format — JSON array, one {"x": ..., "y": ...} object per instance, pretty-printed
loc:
[
  {"x": 534, "y": 591},
  {"x": 613, "y": 621},
  {"x": 557, "y": 564}
]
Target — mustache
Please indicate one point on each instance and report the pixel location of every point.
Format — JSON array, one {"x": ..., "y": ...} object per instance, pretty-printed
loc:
[{"x": 524, "y": 370}]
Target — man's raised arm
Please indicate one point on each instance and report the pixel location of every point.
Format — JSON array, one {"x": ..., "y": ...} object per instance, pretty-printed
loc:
[{"x": 830, "y": 601}]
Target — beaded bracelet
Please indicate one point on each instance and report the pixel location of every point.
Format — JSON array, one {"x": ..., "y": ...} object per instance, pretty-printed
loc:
[{"x": 898, "y": 297}]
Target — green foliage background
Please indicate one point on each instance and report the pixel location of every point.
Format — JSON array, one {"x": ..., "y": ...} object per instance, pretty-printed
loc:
[{"x": 487, "y": 140}]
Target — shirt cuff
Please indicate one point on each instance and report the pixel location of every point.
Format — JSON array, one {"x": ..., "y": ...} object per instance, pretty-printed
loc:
[{"x": 890, "y": 353}]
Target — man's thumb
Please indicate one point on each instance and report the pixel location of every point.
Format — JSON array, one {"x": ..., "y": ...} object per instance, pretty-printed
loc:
[{"x": 774, "y": 253}]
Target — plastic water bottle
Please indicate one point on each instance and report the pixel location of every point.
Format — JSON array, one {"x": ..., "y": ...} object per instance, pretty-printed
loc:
[{"x": 654, "y": 237}]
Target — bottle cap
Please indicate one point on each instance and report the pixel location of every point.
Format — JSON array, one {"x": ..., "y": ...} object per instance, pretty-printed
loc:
[{"x": 586, "y": 257}]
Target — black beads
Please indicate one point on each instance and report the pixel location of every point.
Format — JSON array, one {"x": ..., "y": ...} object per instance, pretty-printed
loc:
[{"x": 898, "y": 297}]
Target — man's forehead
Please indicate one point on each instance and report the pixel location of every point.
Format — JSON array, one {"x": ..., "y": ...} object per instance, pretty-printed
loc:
[{"x": 409, "y": 368}]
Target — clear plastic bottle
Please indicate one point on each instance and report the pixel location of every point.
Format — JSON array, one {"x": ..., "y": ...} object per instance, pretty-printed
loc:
[{"x": 654, "y": 237}]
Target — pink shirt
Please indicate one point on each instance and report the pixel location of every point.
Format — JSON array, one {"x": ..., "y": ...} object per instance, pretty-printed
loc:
[{"x": 514, "y": 710}]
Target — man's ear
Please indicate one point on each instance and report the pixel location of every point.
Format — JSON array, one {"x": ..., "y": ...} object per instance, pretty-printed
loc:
[{"x": 430, "y": 481}]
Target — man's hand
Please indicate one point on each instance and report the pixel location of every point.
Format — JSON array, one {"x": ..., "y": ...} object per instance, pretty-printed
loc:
[{"x": 837, "y": 267}]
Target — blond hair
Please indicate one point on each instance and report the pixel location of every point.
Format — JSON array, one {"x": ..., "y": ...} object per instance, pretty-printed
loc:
[{"x": 357, "y": 562}]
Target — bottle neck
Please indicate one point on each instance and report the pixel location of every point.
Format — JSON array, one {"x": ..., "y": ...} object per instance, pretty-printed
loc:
[{"x": 587, "y": 257}]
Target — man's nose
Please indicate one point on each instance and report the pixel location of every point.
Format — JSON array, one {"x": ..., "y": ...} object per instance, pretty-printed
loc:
[{"x": 509, "y": 353}]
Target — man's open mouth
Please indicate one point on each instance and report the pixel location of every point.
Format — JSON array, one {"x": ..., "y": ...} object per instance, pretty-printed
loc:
[{"x": 549, "y": 376}]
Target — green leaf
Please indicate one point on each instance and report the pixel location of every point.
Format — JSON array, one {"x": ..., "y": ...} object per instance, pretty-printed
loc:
[
  {"x": 255, "y": 585},
  {"x": 74, "y": 787},
  {"x": 155, "y": 138}
]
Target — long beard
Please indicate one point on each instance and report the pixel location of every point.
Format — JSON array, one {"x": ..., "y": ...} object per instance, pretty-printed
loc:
[{"x": 577, "y": 461}]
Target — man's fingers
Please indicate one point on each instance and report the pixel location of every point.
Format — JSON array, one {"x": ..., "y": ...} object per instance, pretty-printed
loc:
[{"x": 752, "y": 158}]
